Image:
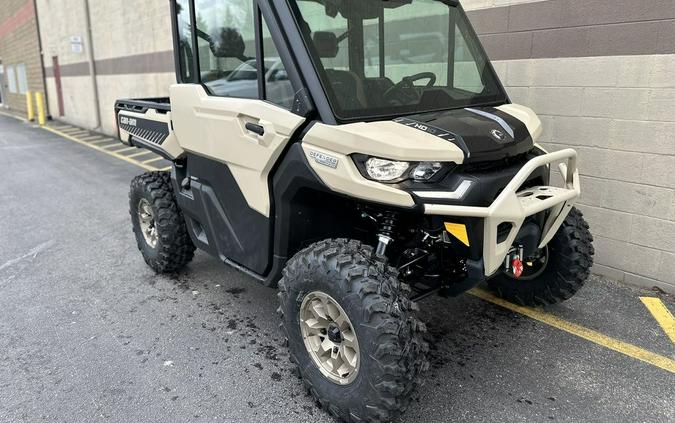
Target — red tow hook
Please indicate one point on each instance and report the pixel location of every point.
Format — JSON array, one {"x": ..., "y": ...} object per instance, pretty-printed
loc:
[{"x": 517, "y": 267}]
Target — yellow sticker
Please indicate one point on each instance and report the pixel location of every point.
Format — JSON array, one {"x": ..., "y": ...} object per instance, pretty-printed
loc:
[{"x": 458, "y": 231}]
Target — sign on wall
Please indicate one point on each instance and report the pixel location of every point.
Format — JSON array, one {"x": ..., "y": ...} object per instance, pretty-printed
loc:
[{"x": 76, "y": 44}]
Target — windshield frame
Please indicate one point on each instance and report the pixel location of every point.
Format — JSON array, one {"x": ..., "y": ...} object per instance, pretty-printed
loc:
[{"x": 374, "y": 114}]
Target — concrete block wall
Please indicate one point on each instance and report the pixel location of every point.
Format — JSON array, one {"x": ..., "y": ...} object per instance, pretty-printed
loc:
[
  {"x": 132, "y": 50},
  {"x": 59, "y": 21},
  {"x": 601, "y": 74},
  {"x": 134, "y": 53}
]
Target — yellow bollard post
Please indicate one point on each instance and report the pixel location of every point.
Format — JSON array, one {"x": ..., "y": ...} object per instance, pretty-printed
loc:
[
  {"x": 40, "y": 101},
  {"x": 30, "y": 111}
]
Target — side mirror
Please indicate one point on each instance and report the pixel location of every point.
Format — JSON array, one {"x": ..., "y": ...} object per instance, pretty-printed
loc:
[{"x": 279, "y": 75}]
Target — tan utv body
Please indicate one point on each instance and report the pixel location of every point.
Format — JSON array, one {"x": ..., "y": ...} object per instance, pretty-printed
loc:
[{"x": 358, "y": 160}]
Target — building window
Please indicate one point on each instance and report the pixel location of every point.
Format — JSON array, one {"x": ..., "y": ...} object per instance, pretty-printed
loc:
[
  {"x": 11, "y": 79},
  {"x": 22, "y": 78}
]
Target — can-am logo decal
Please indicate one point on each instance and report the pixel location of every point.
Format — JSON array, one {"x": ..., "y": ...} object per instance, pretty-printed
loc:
[
  {"x": 146, "y": 130},
  {"x": 324, "y": 159},
  {"x": 124, "y": 120},
  {"x": 499, "y": 135}
]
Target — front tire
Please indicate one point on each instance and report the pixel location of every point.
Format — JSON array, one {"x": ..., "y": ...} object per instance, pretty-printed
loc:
[
  {"x": 382, "y": 329},
  {"x": 158, "y": 223},
  {"x": 570, "y": 258}
]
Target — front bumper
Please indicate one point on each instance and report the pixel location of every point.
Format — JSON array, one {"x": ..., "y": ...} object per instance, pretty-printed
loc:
[{"x": 514, "y": 205}]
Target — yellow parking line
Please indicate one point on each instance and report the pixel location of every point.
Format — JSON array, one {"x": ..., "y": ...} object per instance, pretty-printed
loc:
[
  {"x": 598, "y": 338},
  {"x": 153, "y": 160},
  {"x": 165, "y": 169},
  {"x": 122, "y": 150},
  {"x": 109, "y": 146},
  {"x": 662, "y": 315},
  {"x": 76, "y": 133},
  {"x": 138, "y": 154},
  {"x": 100, "y": 141},
  {"x": 110, "y": 153}
]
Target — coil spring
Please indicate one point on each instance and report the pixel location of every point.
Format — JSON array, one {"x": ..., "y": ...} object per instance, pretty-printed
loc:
[{"x": 388, "y": 224}]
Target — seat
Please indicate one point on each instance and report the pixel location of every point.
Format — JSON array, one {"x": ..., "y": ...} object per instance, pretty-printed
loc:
[{"x": 348, "y": 88}]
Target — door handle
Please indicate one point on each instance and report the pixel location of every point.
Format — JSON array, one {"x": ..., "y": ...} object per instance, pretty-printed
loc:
[{"x": 255, "y": 128}]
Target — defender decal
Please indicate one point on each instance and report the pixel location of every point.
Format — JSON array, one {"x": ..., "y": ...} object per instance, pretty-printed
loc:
[{"x": 324, "y": 159}]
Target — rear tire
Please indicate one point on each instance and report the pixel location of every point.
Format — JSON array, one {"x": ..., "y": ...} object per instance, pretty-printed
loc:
[
  {"x": 391, "y": 352},
  {"x": 569, "y": 265},
  {"x": 158, "y": 223}
]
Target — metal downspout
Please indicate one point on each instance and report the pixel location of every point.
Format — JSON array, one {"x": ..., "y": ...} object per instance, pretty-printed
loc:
[{"x": 92, "y": 65}]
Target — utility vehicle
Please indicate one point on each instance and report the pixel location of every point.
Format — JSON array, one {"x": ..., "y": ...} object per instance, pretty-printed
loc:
[{"x": 321, "y": 147}]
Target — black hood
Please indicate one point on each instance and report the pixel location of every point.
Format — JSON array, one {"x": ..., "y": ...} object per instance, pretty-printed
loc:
[{"x": 483, "y": 133}]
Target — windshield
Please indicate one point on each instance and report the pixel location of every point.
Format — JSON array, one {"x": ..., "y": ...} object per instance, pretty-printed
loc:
[{"x": 380, "y": 58}]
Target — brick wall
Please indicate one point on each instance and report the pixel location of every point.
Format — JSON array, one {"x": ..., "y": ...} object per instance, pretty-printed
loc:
[
  {"x": 19, "y": 45},
  {"x": 601, "y": 74}
]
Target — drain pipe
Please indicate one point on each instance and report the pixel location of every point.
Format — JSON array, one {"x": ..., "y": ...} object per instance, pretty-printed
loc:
[{"x": 92, "y": 65}]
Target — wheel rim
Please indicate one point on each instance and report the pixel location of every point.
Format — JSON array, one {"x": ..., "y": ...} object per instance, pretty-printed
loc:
[
  {"x": 146, "y": 220},
  {"x": 330, "y": 338}
]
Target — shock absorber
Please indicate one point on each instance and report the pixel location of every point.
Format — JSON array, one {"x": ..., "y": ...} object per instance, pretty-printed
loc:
[{"x": 385, "y": 235}]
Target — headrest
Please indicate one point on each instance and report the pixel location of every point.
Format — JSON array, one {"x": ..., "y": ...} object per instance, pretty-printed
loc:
[
  {"x": 230, "y": 43},
  {"x": 326, "y": 44}
]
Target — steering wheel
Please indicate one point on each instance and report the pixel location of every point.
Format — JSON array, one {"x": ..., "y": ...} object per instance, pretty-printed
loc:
[{"x": 405, "y": 90}]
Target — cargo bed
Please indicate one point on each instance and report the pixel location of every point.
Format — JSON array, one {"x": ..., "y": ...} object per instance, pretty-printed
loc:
[{"x": 146, "y": 123}]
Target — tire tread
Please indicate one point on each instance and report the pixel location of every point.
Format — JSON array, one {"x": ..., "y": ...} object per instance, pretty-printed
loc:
[
  {"x": 569, "y": 268},
  {"x": 400, "y": 357},
  {"x": 175, "y": 248}
]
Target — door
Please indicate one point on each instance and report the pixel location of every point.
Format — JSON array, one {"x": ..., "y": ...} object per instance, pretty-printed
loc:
[{"x": 234, "y": 126}]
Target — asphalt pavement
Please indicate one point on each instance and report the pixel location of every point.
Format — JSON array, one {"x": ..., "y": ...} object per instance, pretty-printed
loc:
[{"x": 89, "y": 333}]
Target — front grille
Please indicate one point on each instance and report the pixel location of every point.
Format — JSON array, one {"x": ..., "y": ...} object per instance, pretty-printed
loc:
[{"x": 494, "y": 165}]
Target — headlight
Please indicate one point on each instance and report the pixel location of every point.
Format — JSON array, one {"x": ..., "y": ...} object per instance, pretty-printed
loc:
[
  {"x": 386, "y": 170},
  {"x": 426, "y": 170},
  {"x": 393, "y": 171}
]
